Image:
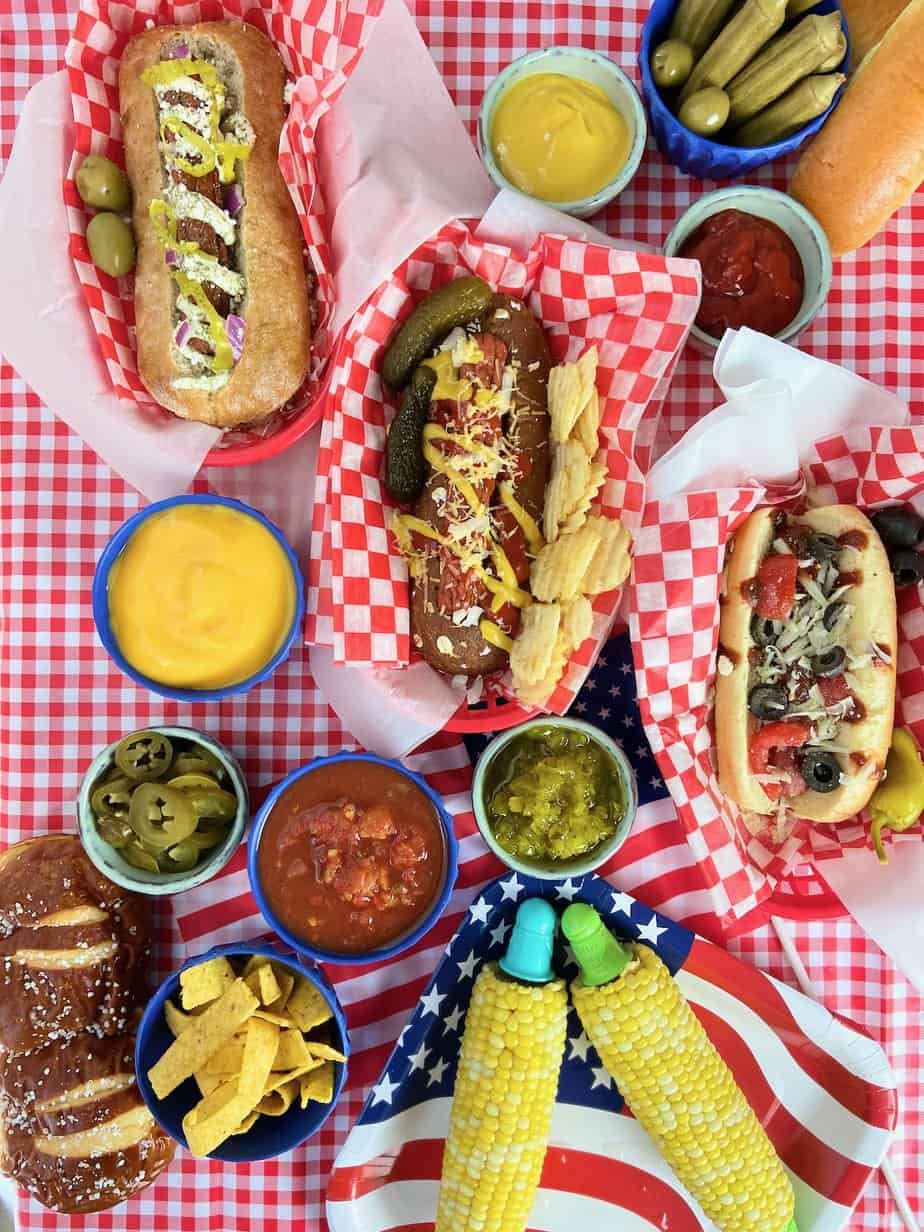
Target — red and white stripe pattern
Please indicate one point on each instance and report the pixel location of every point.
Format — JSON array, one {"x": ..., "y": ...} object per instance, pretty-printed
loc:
[{"x": 824, "y": 1093}]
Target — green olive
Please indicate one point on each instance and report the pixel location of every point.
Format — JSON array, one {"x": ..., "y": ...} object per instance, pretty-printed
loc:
[
  {"x": 160, "y": 816},
  {"x": 111, "y": 244},
  {"x": 102, "y": 184},
  {"x": 144, "y": 756},
  {"x": 705, "y": 112},
  {"x": 671, "y": 64}
]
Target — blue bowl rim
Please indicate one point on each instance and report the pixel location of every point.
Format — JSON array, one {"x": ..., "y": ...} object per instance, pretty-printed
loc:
[
  {"x": 766, "y": 153},
  {"x": 169, "y": 988},
  {"x": 384, "y": 952},
  {"x": 114, "y": 549}
]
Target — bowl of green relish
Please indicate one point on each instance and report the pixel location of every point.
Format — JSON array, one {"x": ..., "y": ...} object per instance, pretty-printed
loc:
[{"x": 554, "y": 797}]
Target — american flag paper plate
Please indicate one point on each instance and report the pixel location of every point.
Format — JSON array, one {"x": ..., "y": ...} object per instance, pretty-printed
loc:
[{"x": 824, "y": 1092}]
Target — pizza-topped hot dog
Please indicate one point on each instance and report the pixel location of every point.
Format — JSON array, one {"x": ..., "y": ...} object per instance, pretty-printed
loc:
[{"x": 805, "y": 680}]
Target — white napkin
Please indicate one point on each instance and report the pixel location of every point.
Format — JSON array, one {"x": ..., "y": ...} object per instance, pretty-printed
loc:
[
  {"x": 516, "y": 220},
  {"x": 886, "y": 900},
  {"x": 397, "y": 164},
  {"x": 45, "y": 329},
  {"x": 779, "y": 401}
]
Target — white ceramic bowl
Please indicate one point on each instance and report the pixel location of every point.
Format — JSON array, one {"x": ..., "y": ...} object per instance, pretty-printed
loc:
[
  {"x": 582, "y": 865},
  {"x": 586, "y": 65},
  {"x": 803, "y": 229},
  {"x": 107, "y": 858}
]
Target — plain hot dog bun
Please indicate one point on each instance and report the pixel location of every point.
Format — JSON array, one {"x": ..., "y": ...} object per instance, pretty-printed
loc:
[
  {"x": 867, "y": 21},
  {"x": 269, "y": 243},
  {"x": 869, "y": 157},
  {"x": 873, "y": 620}
]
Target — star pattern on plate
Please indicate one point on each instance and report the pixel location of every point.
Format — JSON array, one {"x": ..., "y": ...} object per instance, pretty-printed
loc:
[
  {"x": 623, "y": 902},
  {"x": 468, "y": 966},
  {"x": 419, "y": 1059},
  {"x": 430, "y": 1002},
  {"x": 480, "y": 911},
  {"x": 451, "y": 1024},
  {"x": 436, "y": 1073},
  {"x": 383, "y": 1090},
  {"x": 567, "y": 890},
  {"x": 580, "y": 1046},
  {"x": 511, "y": 888},
  {"x": 601, "y": 1077},
  {"x": 651, "y": 931}
]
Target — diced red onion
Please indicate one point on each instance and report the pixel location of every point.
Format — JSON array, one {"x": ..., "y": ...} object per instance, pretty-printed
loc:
[
  {"x": 172, "y": 258},
  {"x": 180, "y": 52},
  {"x": 182, "y": 333},
  {"x": 235, "y": 328},
  {"x": 234, "y": 199}
]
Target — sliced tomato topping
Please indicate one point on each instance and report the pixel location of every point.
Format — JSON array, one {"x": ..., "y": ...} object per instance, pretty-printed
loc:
[
  {"x": 833, "y": 689},
  {"x": 776, "y": 586},
  {"x": 767, "y": 739}
]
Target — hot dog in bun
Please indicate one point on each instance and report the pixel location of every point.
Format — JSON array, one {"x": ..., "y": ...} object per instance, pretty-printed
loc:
[{"x": 805, "y": 680}]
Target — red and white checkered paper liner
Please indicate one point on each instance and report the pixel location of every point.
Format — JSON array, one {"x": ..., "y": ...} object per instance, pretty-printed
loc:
[
  {"x": 674, "y": 621},
  {"x": 319, "y": 41},
  {"x": 637, "y": 308}
]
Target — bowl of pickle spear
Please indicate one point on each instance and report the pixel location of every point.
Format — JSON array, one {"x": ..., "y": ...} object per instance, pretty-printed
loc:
[{"x": 162, "y": 809}]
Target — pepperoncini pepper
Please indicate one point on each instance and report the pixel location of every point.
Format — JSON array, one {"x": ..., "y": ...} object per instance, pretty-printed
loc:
[{"x": 898, "y": 801}]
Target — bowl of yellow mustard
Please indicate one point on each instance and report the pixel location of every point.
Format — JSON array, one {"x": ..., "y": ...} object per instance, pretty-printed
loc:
[
  {"x": 554, "y": 797},
  {"x": 564, "y": 125},
  {"x": 198, "y": 597}
]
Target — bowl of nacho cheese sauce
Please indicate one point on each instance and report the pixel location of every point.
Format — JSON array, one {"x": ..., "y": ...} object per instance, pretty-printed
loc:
[
  {"x": 198, "y": 597},
  {"x": 352, "y": 858}
]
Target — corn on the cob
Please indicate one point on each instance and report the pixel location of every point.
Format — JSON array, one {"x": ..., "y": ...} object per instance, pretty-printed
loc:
[
  {"x": 683, "y": 1093},
  {"x": 502, "y": 1105}
]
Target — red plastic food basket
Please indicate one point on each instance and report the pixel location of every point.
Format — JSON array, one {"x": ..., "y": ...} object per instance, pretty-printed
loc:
[{"x": 805, "y": 896}]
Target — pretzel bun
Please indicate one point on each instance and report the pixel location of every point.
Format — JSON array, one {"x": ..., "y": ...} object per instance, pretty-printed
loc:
[
  {"x": 74, "y": 1130},
  {"x": 873, "y": 620},
  {"x": 72, "y": 944}
]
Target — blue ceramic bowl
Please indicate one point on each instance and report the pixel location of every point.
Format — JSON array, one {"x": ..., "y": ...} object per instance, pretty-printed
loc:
[
  {"x": 711, "y": 160},
  {"x": 269, "y": 1136},
  {"x": 101, "y": 601},
  {"x": 299, "y": 944}
]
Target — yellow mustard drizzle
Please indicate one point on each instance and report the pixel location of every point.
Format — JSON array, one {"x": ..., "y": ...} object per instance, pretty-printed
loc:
[
  {"x": 534, "y": 539},
  {"x": 403, "y": 524},
  {"x": 495, "y": 635},
  {"x": 213, "y": 151}
]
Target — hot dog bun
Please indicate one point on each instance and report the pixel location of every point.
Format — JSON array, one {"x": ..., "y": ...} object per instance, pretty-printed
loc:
[
  {"x": 869, "y": 157},
  {"x": 459, "y": 648},
  {"x": 873, "y": 620},
  {"x": 268, "y": 245},
  {"x": 868, "y": 21}
]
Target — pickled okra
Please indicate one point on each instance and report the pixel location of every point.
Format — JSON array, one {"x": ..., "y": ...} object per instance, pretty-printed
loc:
[
  {"x": 807, "y": 100},
  {"x": 748, "y": 31},
  {"x": 785, "y": 60},
  {"x": 696, "y": 22}
]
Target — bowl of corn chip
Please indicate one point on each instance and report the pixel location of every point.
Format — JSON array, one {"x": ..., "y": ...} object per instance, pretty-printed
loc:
[{"x": 242, "y": 1053}]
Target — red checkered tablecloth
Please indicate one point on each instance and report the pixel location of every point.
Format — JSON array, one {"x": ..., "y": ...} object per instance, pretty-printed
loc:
[{"x": 60, "y": 699}]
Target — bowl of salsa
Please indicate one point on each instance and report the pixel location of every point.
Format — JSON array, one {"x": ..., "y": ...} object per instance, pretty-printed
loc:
[
  {"x": 352, "y": 858},
  {"x": 555, "y": 797}
]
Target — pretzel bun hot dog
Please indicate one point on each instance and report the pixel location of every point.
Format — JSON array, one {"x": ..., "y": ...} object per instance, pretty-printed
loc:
[
  {"x": 221, "y": 298},
  {"x": 805, "y": 680}
]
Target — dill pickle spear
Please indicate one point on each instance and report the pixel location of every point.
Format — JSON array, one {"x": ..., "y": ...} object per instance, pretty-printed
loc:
[
  {"x": 457, "y": 303},
  {"x": 696, "y": 22},
  {"x": 405, "y": 467}
]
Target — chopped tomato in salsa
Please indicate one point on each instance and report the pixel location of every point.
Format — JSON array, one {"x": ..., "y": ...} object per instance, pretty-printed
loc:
[
  {"x": 351, "y": 856},
  {"x": 776, "y": 586}
]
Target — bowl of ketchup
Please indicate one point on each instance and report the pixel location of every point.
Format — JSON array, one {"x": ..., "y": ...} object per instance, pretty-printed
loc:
[{"x": 765, "y": 261}]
